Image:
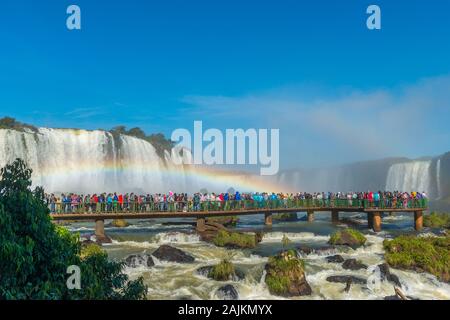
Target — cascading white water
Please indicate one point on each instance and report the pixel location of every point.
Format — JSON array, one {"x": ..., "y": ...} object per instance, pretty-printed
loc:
[
  {"x": 89, "y": 161},
  {"x": 438, "y": 178},
  {"x": 409, "y": 176}
]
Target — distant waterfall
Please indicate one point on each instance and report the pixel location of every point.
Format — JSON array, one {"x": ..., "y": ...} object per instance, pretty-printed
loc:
[
  {"x": 438, "y": 178},
  {"x": 89, "y": 161},
  {"x": 409, "y": 176}
]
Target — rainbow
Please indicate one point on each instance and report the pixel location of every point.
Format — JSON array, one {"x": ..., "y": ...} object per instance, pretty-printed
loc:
[{"x": 241, "y": 181}]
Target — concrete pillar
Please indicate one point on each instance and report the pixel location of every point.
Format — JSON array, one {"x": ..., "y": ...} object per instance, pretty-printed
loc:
[
  {"x": 100, "y": 229},
  {"x": 268, "y": 219},
  {"x": 335, "y": 216},
  {"x": 370, "y": 220},
  {"x": 200, "y": 224},
  {"x": 310, "y": 215},
  {"x": 418, "y": 220},
  {"x": 377, "y": 221}
]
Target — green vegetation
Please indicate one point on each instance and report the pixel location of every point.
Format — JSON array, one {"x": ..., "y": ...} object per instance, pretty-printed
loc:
[
  {"x": 158, "y": 140},
  {"x": 234, "y": 240},
  {"x": 223, "y": 271},
  {"x": 437, "y": 220},
  {"x": 421, "y": 254},
  {"x": 35, "y": 253},
  {"x": 90, "y": 250},
  {"x": 228, "y": 221},
  {"x": 285, "y": 272},
  {"x": 350, "y": 237},
  {"x": 285, "y": 216},
  {"x": 11, "y": 123}
]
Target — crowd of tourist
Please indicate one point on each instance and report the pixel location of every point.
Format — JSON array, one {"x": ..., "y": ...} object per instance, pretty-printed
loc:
[{"x": 131, "y": 202}]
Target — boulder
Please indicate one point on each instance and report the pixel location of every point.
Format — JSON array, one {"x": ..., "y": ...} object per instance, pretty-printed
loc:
[
  {"x": 136, "y": 260},
  {"x": 387, "y": 275},
  {"x": 171, "y": 254},
  {"x": 353, "y": 264},
  {"x": 227, "y": 292},
  {"x": 346, "y": 279},
  {"x": 335, "y": 259}
]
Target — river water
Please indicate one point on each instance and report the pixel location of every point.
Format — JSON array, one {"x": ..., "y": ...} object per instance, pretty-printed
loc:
[{"x": 180, "y": 281}]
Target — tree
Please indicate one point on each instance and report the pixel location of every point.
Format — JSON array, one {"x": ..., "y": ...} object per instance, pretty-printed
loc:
[{"x": 35, "y": 254}]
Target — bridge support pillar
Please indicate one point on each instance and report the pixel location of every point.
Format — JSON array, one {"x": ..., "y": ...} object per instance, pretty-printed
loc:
[
  {"x": 100, "y": 229},
  {"x": 377, "y": 221},
  {"x": 335, "y": 216},
  {"x": 370, "y": 220},
  {"x": 200, "y": 224},
  {"x": 310, "y": 215},
  {"x": 418, "y": 220},
  {"x": 268, "y": 219}
]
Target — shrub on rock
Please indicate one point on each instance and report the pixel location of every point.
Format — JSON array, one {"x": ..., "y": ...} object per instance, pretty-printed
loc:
[
  {"x": 286, "y": 275},
  {"x": 349, "y": 237},
  {"x": 421, "y": 254}
]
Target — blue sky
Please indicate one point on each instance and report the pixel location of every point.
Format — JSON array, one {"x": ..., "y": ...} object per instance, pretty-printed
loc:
[{"x": 337, "y": 91}]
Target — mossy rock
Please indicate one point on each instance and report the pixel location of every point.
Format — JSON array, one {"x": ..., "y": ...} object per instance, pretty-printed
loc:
[
  {"x": 90, "y": 250},
  {"x": 286, "y": 276},
  {"x": 285, "y": 216},
  {"x": 228, "y": 239},
  {"x": 420, "y": 254},
  {"x": 349, "y": 237},
  {"x": 120, "y": 223},
  {"x": 437, "y": 220},
  {"x": 223, "y": 271},
  {"x": 225, "y": 221}
]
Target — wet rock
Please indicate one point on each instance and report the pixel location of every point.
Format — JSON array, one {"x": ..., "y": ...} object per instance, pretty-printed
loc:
[
  {"x": 102, "y": 240},
  {"x": 346, "y": 279},
  {"x": 227, "y": 292},
  {"x": 335, "y": 259},
  {"x": 136, "y": 260},
  {"x": 387, "y": 275},
  {"x": 353, "y": 264},
  {"x": 171, "y": 254},
  {"x": 204, "y": 271},
  {"x": 348, "y": 285},
  {"x": 305, "y": 250}
]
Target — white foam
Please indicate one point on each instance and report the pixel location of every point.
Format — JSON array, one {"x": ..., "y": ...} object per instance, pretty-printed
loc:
[{"x": 301, "y": 236}]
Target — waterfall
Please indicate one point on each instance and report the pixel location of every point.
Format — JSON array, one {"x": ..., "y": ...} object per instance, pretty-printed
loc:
[
  {"x": 66, "y": 160},
  {"x": 409, "y": 176},
  {"x": 438, "y": 178}
]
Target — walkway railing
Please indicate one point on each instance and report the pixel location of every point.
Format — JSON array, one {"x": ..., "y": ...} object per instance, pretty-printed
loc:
[{"x": 234, "y": 205}]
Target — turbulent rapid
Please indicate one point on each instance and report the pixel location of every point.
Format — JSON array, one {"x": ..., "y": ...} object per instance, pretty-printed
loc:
[{"x": 169, "y": 280}]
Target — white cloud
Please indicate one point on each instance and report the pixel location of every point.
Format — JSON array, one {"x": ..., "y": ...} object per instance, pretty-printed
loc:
[{"x": 352, "y": 125}]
